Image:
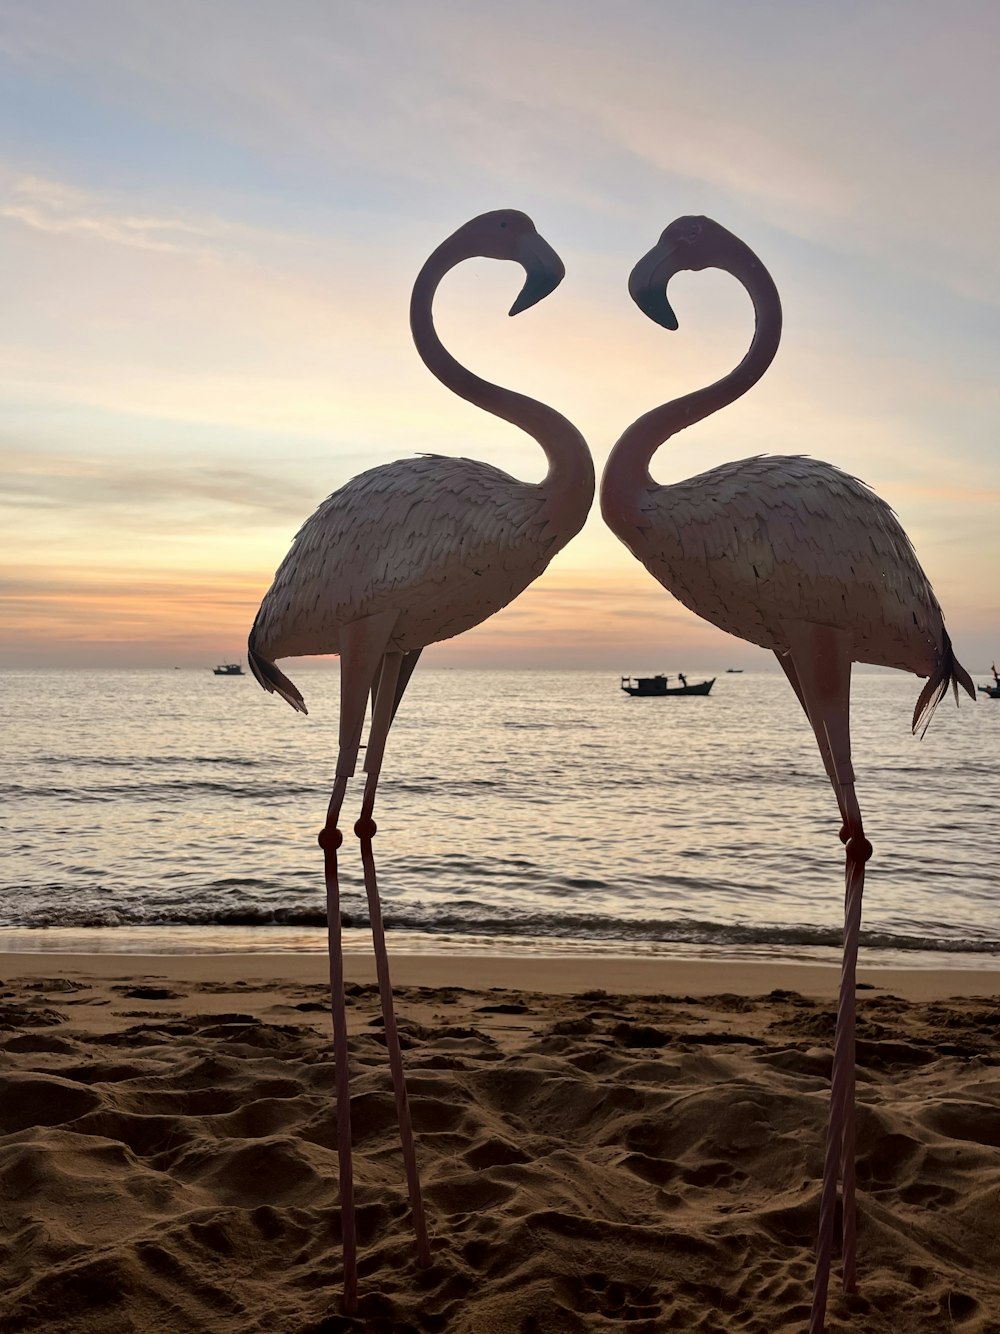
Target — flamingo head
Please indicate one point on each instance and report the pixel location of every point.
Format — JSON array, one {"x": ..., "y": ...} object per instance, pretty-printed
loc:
[
  {"x": 508, "y": 234},
  {"x": 688, "y": 243}
]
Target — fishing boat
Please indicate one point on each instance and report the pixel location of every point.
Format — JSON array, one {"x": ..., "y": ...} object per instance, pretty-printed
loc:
[
  {"x": 229, "y": 669},
  {"x": 734, "y": 671},
  {"x": 993, "y": 691},
  {"x": 660, "y": 685}
]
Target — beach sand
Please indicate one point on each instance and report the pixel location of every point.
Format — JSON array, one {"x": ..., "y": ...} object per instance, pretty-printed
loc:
[{"x": 605, "y": 1145}]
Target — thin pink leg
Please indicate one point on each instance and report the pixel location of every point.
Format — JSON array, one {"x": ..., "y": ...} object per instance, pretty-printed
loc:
[
  {"x": 787, "y": 665},
  {"x": 330, "y": 840},
  {"x": 858, "y": 852},
  {"x": 388, "y": 699},
  {"x": 827, "y": 1212},
  {"x": 818, "y": 666},
  {"x": 840, "y": 1130},
  {"x": 850, "y": 815},
  {"x": 362, "y": 645}
]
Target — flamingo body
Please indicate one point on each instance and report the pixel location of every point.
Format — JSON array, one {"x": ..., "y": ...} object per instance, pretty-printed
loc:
[
  {"x": 759, "y": 542},
  {"x": 444, "y": 542}
]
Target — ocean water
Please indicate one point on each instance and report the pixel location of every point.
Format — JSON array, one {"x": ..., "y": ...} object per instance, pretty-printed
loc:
[{"x": 537, "y": 811}]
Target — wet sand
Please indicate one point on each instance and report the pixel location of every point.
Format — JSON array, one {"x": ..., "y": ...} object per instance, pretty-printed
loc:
[{"x": 605, "y": 1145}]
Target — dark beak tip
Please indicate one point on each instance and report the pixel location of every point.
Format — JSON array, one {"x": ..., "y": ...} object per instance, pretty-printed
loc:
[
  {"x": 537, "y": 287},
  {"x": 654, "y": 305}
]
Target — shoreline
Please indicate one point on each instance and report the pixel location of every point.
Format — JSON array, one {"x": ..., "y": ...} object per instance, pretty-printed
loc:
[
  {"x": 552, "y": 975},
  {"x": 879, "y": 951}
]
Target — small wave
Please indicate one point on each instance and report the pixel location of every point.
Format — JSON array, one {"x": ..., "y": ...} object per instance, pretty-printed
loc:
[
  {"x": 143, "y": 791},
  {"x": 11, "y": 792},
  {"x": 108, "y": 916},
  {"x": 468, "y": 920},
  {"x": 147, "y": 761}
]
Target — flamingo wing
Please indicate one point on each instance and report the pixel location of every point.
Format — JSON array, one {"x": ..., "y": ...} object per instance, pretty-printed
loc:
[
  {"x": 765, "y": 540},
  {"x": 447, "y": 541}
]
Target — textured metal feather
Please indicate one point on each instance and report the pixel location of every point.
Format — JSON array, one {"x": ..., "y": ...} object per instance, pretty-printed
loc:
[
  {"x": 769, "y": 539},
  {"x": 444, "y": 541}
]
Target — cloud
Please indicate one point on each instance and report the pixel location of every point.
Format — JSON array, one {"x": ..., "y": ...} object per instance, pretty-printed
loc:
[
  {"x": 93, "y": 487},
  {"x": 51, "y": 613},
  {"x": 53, "y": 207},
  {"x": 305, "y": 336},
  {"x": 121, "y": 616}
]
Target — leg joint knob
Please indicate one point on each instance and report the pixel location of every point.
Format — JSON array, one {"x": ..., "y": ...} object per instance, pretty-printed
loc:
[
  {"x": 859, "y": 849},
  {"x": 330, "y": 839},
  {"x": 366, "y": 828}
]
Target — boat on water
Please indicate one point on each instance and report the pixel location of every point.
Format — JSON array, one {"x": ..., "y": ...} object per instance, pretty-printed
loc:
[
  {"x": 734, "y": 671},
  {"x": 229, "y": 669},
  {"x": 993, "y": 691},
  {"x": 649, "y": 686}
]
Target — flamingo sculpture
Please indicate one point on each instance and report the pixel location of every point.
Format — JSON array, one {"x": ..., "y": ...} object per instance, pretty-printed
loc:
[
  {"x": 796, "y": 556},
  {"x": 400, "y": 557}
]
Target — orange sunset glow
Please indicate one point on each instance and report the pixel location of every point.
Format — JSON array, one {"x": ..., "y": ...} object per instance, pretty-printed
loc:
[{"x": 207, "y": 277}]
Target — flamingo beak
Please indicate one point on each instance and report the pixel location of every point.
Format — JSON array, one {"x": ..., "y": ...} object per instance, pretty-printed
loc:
[
  {"x": 647, "y": 283},
  {"x": 544, "y": 270}
]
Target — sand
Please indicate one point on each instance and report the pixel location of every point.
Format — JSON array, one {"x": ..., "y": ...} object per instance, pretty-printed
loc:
[{"x": 597, "y": 1154}]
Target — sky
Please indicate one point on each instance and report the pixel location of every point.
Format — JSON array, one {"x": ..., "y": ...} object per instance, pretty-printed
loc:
[{"x": 212, "y": 213}]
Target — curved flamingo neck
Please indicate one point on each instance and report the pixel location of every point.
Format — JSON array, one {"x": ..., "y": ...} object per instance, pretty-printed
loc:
[
  {"x": 626, "y": 478},
  {"x": 569, "y": 482}
]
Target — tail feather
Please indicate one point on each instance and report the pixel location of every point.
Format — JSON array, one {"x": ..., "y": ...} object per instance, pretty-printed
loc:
[
  {"x": 949, "y": 672},
  {"x": 273, "y": 680}
]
